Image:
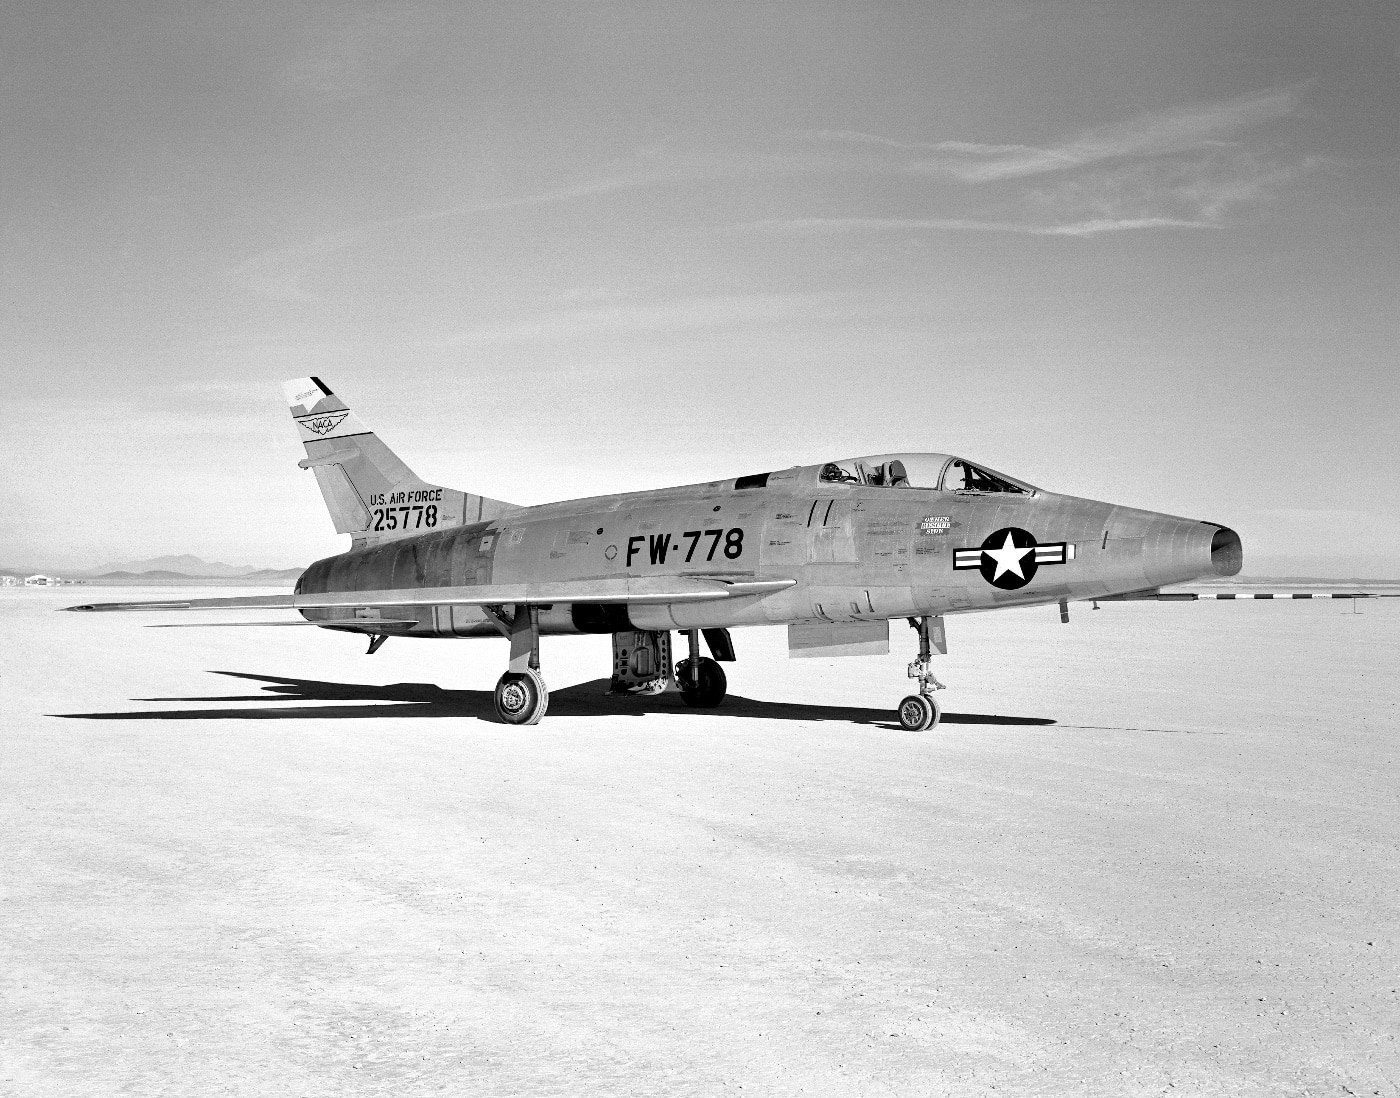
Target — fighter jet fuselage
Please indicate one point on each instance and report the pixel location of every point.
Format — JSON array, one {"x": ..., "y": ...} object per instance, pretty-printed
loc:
[{"x": 853, "y": 551}]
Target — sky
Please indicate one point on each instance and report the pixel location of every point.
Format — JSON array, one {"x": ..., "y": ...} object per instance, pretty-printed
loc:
[{"x": 1133, "y": 251}]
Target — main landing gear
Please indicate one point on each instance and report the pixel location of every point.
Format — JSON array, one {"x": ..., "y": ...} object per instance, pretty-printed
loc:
[
  {"x": 642, "y": 665},
  {"x": 920, "y": 712},
  {"x": 701, "y": 679},
  {"x": 521, "y": 695}
]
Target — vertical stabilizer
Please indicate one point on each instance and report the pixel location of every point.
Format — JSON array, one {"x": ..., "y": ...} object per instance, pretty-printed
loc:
[{"x": 370, "y": 493}]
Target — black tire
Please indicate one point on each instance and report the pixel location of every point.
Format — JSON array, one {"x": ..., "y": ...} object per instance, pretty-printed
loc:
[
  {"x": 521, "y": 698},
  {"x": 709, "y": 691},
  {"x": 918, "y": 713}
]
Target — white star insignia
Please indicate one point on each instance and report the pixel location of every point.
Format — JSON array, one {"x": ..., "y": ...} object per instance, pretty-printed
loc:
[{"x": 1009, "y": 557}]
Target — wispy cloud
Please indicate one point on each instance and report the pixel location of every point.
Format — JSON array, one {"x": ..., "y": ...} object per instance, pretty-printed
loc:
[
  {"x": 282, "y": 273},
  {"x": 1189, "y": 167},
  {"x": 1089, "y": 227},
  {"x": 1183, "y": 130},
  {"x": 1194, "y": 191}
]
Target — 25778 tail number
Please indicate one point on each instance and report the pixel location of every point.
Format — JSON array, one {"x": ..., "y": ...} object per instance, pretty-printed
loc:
[{"x": 414, "y": 517}]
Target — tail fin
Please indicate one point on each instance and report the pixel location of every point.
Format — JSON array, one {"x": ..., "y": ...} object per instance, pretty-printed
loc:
[{"x": 370, "y": 493}]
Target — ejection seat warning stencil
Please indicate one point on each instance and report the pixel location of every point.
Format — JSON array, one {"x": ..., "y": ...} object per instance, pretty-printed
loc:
[{"x": 1009, "y": 557}]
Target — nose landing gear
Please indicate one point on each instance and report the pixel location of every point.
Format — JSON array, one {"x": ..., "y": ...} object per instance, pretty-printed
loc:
[{"x": 920, "y": 712}]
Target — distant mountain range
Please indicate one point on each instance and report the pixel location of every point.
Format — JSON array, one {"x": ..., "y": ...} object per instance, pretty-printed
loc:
[
  {"x": 183, "y": 569},
  {"x": 184, "y": 564}
]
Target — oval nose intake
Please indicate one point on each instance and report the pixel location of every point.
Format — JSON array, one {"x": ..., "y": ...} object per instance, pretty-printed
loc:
[
  {"x": 1226, "y": 552},
  {"x": 1178, "y": 550}
]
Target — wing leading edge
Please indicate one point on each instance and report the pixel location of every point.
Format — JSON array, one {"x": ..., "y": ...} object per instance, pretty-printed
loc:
[{"x": 638, "y": 591}]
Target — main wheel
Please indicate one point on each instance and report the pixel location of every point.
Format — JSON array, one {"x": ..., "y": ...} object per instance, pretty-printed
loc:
[
  {"x": 919, "y": 713},
  {"x": 709, "y": 690},
  {"x": 521, "y": 698}
]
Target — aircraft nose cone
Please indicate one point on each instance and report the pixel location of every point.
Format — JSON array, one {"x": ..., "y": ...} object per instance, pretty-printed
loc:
[{"x": 1182, "y": 550}]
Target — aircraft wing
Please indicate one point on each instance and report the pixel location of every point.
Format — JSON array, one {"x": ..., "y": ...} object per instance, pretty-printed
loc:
[{"x": 632, "y": 591}]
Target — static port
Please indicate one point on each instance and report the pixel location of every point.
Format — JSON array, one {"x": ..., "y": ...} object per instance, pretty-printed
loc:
[{"x": 1226, "y": 552}]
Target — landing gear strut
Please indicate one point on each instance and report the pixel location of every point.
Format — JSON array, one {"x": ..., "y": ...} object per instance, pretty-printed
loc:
[
  {"x": 920, "y": 712},
  {"x": 521, "y": 695},
  {"x": 701, "y": 679}
]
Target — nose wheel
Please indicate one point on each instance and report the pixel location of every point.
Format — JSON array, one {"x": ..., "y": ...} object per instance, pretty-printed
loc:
[{"x": 919, "y": 712}]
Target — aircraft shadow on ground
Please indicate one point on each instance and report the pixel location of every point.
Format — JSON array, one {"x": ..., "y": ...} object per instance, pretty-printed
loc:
[{"x": 419, "y": 699}]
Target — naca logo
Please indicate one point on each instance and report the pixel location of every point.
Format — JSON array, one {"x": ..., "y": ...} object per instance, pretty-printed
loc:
[{"x": 324, "y": 425}]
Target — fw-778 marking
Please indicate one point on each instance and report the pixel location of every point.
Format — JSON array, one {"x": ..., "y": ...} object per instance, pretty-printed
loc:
[{"x": 658, "y": 546}]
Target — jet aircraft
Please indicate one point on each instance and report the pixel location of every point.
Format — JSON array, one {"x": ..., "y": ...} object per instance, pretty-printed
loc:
[{"x": 835, "y": 551}]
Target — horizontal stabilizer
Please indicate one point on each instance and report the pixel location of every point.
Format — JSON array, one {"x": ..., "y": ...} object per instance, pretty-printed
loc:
[
  {"x": 642, "y": 591},
  {"x": 238, "y": 602}
]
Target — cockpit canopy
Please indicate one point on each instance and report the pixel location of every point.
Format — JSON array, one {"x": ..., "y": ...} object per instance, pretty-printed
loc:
[{"x": 928, "y": 471}]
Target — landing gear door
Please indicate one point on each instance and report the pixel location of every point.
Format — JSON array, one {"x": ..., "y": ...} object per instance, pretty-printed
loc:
[{"x": 641, "y": 662}]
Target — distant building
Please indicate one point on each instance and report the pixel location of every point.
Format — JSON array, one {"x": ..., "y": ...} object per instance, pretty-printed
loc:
[{"x": 42, "y": 581}]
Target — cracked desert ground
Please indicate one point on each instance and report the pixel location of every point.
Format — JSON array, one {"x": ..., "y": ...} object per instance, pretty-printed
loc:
[{"x": 1155, "y": 850}]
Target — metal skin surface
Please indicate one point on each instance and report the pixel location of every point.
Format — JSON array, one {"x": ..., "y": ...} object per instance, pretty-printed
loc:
[{"x": 856, "y": 552}]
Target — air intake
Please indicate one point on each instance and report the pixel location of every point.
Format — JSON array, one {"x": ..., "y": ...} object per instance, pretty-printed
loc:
[{"x": 1226, "y": 552}]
